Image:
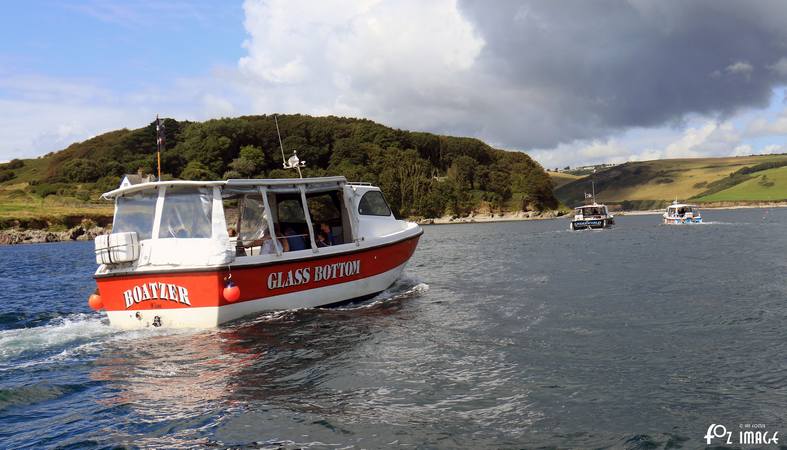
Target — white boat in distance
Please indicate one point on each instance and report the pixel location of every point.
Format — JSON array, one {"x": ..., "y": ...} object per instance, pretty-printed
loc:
[
  {"x": 592, "y": 216},
  {"x": 173, "y": 261},
  {"x": 682, "y": 213}
]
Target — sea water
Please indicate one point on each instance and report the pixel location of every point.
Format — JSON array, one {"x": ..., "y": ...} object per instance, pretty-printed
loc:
[{"x": 517, "y": 334}]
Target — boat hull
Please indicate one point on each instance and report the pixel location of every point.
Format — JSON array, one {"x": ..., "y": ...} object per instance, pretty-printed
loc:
[
  {"x": 591, "y": 224},
  {"x": 194, "y": 298},
  {"x": 681, "y": 221}
]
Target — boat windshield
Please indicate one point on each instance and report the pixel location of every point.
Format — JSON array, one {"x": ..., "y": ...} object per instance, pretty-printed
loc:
[
  {"x": 253, "y": 220},
  {"x": 681, "y": 210},
  {"x": 135, "y": 213},
  {"x": 186, "y": 213},
  {"x": 593, "y": 211}
]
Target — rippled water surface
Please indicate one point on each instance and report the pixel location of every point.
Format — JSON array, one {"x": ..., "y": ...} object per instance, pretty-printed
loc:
[{"x": 518, "y": 334}]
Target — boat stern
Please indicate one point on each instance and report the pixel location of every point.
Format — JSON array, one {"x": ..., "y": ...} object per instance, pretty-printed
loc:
[{"x": 163, "y": 300}]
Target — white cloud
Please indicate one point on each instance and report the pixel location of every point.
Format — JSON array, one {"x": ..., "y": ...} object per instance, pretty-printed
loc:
[
  {"x": 743, "y": 150},
  {"x": 780, "y": 66},
  {"x": 34, "y": 128},
  {"x": 216, "y": 106},
  {"x": 740, "y": 68},
  {"x": 711, "y": 138},
  {"x": 610, "y": 150},
  {"x": 358, "y": 58},
  {"x": 43, "y": 114},
  {"x": 701, "y": 138},
  {"x": 763, "y": 127}
]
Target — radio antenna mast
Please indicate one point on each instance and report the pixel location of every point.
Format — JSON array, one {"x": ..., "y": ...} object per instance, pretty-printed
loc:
[
  {"x": 293, "y": 162},
  {"x": 281, "y": 146},
  {"x": 159, "y": 143}
]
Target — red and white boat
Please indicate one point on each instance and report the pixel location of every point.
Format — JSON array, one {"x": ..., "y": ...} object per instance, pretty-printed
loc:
[{"x": 197, "y": 254}]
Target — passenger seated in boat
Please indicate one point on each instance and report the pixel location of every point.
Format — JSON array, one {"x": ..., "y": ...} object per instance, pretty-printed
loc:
[
  {"x": 266, "y": 244},
  {"x": 231, "y": 232},
  {"x": 295, "y": 240},
  {"x": 326, "y": 230},
  {"x": 322, "y": 239}
]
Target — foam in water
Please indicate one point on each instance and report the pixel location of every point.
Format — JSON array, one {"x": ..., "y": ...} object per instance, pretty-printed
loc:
[
  {"x": 404, "y": 287},
  {"x": 72, "y": 334}
]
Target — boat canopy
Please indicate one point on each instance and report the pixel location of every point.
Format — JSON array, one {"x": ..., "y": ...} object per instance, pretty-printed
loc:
[
  {"x": 592, "y": 210},
  {"x": 681, "y": 208},
  {"x": 213, "y": 222},
  {"x": 239, "y": 186},
  {"x": 682, "y": 205}
]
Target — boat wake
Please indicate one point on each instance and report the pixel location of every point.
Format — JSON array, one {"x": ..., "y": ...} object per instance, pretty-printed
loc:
[
  {"x": 713, "y": 222},
  {"x": 403, "y": 288},
  {"x": 73, "y": 335},
  {"x": 62, "y": 339},
  {"x": 709, "y": 222},
  {"x": 61, "y": 333}
]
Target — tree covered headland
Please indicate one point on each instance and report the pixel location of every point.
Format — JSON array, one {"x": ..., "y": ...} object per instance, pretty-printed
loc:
[{"x": 421, "y": 174}]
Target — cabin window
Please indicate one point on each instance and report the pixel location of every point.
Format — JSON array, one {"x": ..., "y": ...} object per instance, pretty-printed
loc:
[
  {"x": 253, "y": 222},
  {"x": 591, "y": 211},
  {"x": 325, "y": 210},
  {"x": 373, "y": 204},
  {"x": 186, "y": 213},
  {"x": 292, "y": 221},
  {"x": 135, "y": 213}
]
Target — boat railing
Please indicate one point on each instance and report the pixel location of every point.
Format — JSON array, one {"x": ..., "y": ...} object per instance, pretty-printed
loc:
[
  {"x": 359, "y": 183},
  {"x": 253, "y": 246}
]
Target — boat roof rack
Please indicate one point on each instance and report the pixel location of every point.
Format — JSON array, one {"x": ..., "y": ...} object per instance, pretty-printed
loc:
[
  {"x": 359, "y": 183},
  {"x": 241, "y": 184}
]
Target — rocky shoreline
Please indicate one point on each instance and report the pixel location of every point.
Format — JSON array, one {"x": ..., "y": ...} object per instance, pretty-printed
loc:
[
  {"x": 81, "y": 232},
  {"x": 491, "y": 217}
]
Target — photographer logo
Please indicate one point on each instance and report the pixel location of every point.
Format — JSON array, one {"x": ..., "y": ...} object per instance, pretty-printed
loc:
[{"x": 748, "y": 434}]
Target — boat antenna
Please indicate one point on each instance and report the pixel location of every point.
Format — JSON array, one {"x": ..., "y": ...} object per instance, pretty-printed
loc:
[
  {"x": 593, "y": 185},
  {"x": 159, "y": 143},
  {"x": 293, "y": 162},
  {"x": 278, "y": 133}
]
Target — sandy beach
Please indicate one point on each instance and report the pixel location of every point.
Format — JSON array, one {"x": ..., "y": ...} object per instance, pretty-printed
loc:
[
  {"x": 532, "y": 215},
  {"x": 489, "y": 217}
]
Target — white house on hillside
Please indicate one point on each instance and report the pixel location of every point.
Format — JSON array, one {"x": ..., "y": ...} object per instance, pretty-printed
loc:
[{"x": 136, "y": 178}]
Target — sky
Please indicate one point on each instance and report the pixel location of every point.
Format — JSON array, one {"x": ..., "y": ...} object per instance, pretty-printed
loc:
[{"x": 570, "y": 82}]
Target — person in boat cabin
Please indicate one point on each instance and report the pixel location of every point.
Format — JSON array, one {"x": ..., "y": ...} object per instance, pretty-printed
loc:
[
  {"x": 282, "y": 243},
  {"x": 326, "y": 229},
  {"x": 322, "y": 239},
  {"x": 266, "y": 243},
  {"x": 295, "y": 240}
]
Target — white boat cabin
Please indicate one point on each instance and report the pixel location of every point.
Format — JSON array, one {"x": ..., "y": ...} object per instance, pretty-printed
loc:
[
  {"x": 174, "y": 224},
  {"x": 594, "y": 211},
  {"x": 679, "y": 210}
]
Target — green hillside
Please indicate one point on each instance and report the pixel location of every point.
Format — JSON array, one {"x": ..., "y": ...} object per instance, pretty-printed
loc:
[
  {"x": 766, "y": 185},
  {"x": 422, "y": 174},
  {"x": 561, "y": 178},
  {"x": 650, "y": 184}
]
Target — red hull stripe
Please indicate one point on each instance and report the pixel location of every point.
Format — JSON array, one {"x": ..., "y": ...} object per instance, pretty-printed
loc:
[{"x": 200, "y": 288}]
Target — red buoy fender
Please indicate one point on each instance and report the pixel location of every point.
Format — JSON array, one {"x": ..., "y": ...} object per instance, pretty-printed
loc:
[
  {"x": 231, "y": 292},
  {"x": 95, "y": 302}
]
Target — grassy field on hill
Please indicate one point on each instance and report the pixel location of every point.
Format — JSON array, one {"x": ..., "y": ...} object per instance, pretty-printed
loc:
[
  {"x": 560, "y": 178},
  {"x": 51, "y": 212},
  {"x": 650, "y": 184},
  {"x": 767, "y": 185}
]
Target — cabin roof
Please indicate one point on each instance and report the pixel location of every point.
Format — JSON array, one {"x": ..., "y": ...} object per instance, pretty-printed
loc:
[
  {"x": 135, "y": 178},
  {"x": 238, "y": 183},
  {"x": 594, "y": 205}
]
